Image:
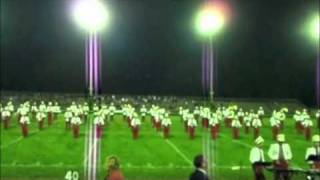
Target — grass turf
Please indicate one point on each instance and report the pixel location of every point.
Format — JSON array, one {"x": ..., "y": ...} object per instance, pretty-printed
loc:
[{"x": 51, "y": 153}]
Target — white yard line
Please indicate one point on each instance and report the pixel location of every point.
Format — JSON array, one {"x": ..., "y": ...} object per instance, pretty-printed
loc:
[
  {"x": 126, "y": 166},
  {"x": 179, "y": 152}
]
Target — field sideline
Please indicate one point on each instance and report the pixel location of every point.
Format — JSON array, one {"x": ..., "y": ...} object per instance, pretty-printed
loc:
[{"x": 51, "y": 153}]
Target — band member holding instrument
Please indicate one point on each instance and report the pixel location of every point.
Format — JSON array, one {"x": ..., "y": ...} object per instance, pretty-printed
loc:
[
  {"x": 256, "y": 157},
  {"x": 280, "y": 153}
]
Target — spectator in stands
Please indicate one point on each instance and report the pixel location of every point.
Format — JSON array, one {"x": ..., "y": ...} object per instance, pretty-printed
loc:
[
  {"x": 113, "y": 169},
  {"x": 200, "y": 173}
]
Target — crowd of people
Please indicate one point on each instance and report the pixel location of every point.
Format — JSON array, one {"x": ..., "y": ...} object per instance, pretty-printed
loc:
[
  {"x": 231, "y": 116},
  {"x": 207, "y": 117}
]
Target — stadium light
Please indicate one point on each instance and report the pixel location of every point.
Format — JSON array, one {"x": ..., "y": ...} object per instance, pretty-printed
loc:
[
  {"x": 314, "y": 28},
  {"x": 209, "y": 21},
  {"x": 90, "y": 14}
]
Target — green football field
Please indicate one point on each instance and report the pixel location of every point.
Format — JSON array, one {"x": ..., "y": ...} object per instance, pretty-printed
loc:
[{"x": 51, "y": 153}]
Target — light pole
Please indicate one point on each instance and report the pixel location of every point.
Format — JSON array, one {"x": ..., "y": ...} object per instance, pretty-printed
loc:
[
  {"x": 209, "y": 22},
  {"x": 92, "y": 16}
]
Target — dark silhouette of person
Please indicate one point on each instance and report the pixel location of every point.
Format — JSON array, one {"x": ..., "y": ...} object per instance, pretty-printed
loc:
[{"x": 200, "y": 172}]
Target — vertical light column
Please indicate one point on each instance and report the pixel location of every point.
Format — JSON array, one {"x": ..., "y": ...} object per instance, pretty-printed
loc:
[
  {"x": 93, "y": 69},
  {"x": 318, "y": 80}
]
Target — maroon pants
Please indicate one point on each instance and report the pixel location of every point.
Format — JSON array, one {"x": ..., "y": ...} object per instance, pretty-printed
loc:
[
  {"x": 6, "y": 122},
  {"x": 166, "y": 131},
  {"x": 214, "y": 132},
  {"x": 129, "y": 121},
  {"x": 158, "y": 126},
  {"x": 76, "y": 131},
  {"x": 227, "y": 122},
  {"x": 258, "y": 172},
  {"x": 241, "y": 120},
  {"x": 307, "y": 133},
  {"x": 256, "y": 133},
  {"x": 205, "y": 122},
  {"x": 275, "y": 132},
  {"x": 50, "y": 118},
  {"x": 99, "y": 131},
  {"x": 236, "y": 133},
  {"x": 192, "y": 131},
  {"x": 25, "y": 130},
  {"x": 279, "y": 172},
  {"x": 318, "y": 122},
  {"x": 135, "y": 132}
]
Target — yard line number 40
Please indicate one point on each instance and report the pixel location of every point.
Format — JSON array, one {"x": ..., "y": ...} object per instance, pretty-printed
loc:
[{"x": 72, "y": 175}]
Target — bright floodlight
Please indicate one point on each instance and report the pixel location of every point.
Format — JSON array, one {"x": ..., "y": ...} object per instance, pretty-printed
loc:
[
  {"x": 90, "y": 14},
  {"x": 314, "y": 27},
  {"x": 209, "y": 21}
]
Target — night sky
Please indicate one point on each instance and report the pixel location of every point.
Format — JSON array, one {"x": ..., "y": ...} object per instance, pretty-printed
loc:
[{"x": 150, "y": 47}]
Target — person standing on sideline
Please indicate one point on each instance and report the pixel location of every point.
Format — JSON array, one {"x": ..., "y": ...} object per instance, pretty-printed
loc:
[
  {"x": 256, "y": 157},
  {"x": 280, "y": 153},
  {"x": 200, "y": 172},
  {"x": 113, "y": 169}
]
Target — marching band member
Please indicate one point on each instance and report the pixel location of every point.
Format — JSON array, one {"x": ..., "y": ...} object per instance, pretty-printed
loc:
[
  {"x": 34, "y": 109},
  {"x": 6, "y": 116},
  {"x": 260, "y": 112},
  {"x": 24, "y": 121},
  {"x": 196, "y": 112},
  {"x": 112, "y": 110},
  {"x": 56, "y": 110},
  {"x": 166, "y": 124},
  {"x": 247, "y": 122},
  {"x": 40, "y": 117},
  {"x": 236, "y": 125},
  {"x": 307, "y": 124},
  {"x": 256, "y": 124},
  {"x": 86, "y": 109},
  {"x": 275, "y": 124},
  {"x": 240, "y": 115},
  {"x": 214, "y": 122},
  {"x": 76, "y": 122},
  {"x": 50, "y": 113},
  {"x": 99, "y": 123},
  {"x": 185, "y": 117},
  {"x": 135, "y": 124},
  {"x": 314, "y": 151},
  {"x": 143, "y": 112},
  {"x": 230, "y": 115},
  {"x": 192, "y": 124},
  {"x": 10, "y": 107},
  {"x": 67, "y": 117},
  {"x": 280, "y": 153},
  {"x": 205, "y": 117},
  {"x": 95, "y": 107},
  {"x": 256, "y": 157},
  {"x": 298, "y": 119},
  {"x": 282, "y": 116},
  {"x": 42, "y": 107}
]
